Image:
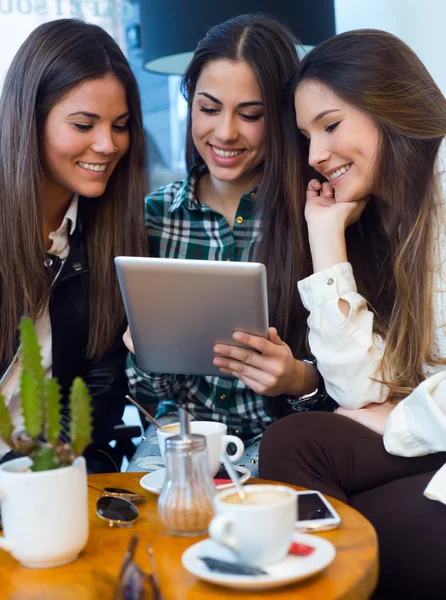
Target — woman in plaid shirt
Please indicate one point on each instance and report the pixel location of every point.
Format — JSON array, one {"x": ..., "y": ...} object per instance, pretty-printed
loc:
[{"x": 231, "y": 206}]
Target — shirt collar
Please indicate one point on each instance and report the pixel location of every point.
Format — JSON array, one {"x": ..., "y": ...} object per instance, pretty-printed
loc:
[
  {"x": 186, "y": 192},
  {"x": 70, "y": 219}
]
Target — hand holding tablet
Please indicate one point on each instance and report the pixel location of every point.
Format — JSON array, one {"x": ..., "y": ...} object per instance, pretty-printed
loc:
[
  {"x": 178, "y": 310},
  {"x": 267, "y": 366}
]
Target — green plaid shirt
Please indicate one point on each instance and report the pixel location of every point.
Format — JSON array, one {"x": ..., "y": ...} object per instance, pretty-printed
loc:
[{"x": 180, "y": 226}]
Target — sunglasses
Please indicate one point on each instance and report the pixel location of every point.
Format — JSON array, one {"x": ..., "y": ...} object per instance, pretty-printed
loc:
[
  {"x": 116, "y": 492},
  {"x": 133, "y": 582},
  {"x": 117, "y": 511}
]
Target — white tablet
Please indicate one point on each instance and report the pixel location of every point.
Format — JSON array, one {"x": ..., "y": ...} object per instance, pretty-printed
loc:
[{"x": 179, "y": 309}]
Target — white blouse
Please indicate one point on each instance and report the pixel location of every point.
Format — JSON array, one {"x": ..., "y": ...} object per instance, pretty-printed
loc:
[{"x": 349, "y": 355}]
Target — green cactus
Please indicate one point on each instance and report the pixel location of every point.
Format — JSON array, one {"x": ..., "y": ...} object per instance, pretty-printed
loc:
[
  {"x": 80, "y": 425},
  {"x": 52, "y": 411},
  {"x": 32, "y": 359},
  {"x": 6, "y": 427},
  {"x": 31, "y": 406},
  {"x": 41, "y": 404},
  {"x": 45, "y": 459}
]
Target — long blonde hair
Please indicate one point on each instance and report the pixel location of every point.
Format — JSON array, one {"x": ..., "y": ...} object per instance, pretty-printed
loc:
[{"x": 390, "y": 247}]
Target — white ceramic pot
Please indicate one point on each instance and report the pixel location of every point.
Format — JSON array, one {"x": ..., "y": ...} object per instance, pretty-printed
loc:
[{"x": 45, "y": 513}]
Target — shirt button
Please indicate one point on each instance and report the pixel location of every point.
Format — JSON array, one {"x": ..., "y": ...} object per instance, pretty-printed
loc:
[
  {"x": 223, "y": 397},
  {"x": 330, "y": 281},
  {"x": 239, "y": 220},
  {"x": 252, "y": 195}
]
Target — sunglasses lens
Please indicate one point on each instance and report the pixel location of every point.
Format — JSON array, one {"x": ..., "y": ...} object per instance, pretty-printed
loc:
[{"x": 116, "y": 509}]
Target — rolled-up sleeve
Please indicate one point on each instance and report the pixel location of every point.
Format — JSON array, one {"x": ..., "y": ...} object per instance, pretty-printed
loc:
[
  {"x": 417, "y": 425},
  {"x": 348, "y": 353}
]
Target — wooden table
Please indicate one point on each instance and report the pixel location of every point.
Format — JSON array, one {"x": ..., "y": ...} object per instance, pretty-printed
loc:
[{"x": 351, "y": 576}]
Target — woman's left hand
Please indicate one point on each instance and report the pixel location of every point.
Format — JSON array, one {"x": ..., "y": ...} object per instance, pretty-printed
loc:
[
  {"x": 270, "y": 371},
  {"x": 373, "y": 416}
]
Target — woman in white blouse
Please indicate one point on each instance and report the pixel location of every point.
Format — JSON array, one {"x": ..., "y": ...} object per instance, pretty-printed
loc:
[{"x": 370, "y": 121}]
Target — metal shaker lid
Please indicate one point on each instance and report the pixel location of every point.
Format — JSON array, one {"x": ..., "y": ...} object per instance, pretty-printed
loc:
[{"x": 193, "y": 443}]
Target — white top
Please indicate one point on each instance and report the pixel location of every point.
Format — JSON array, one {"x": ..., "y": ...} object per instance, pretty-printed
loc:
[
  {"x": 349, "y": 354},
  {"x": 10, "y": 388}
]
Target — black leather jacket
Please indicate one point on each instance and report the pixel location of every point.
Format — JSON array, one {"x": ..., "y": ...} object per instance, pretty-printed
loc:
[{"x": 69, "y": 315}]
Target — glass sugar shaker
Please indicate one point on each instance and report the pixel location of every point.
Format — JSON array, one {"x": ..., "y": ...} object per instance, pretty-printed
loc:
[{"x": 185, "y": 504}]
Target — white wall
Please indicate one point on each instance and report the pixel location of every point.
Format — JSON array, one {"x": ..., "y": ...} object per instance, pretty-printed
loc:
[
  {"x": 19, "y": 17},
  {"x": 419, "y": 23}
]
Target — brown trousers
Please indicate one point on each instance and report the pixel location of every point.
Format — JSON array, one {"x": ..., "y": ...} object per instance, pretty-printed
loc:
[{"x": 343, "y": 459}]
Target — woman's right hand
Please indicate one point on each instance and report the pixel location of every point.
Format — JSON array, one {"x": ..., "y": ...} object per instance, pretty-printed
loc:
[
  {"x": 127, "y": 338},
  {"x": 327, "y": 221},
  {"x": 324, "y": 213}
]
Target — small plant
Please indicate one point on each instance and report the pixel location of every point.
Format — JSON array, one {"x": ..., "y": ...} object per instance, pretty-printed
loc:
[{"x": 41, "y": 406}]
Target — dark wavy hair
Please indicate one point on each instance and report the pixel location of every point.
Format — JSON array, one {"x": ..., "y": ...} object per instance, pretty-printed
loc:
[
  {"x": 269, "y": 48},
  {"x": 57, "y": 57}
]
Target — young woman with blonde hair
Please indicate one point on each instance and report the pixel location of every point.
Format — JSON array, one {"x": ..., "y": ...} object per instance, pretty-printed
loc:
[{"x": 370, "y": 124}]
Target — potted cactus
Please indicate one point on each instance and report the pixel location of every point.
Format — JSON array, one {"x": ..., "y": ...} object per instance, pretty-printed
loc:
[
  {"x": 41, "y": 403},
  {"x": 44, "y": 500}
]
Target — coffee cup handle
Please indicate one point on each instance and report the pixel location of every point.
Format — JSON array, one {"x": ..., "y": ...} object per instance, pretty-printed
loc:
[
  {"x": 221, "y": 531},
  {"x": 4, "y": 544},
  {"x": 233, "y": 439}
]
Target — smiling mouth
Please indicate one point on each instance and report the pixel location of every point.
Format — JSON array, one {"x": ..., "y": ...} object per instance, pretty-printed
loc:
[
  {"x": 339, "y": 172},
  {"x": 226, "y": 153},
  {"x": 92, "y": 167}
]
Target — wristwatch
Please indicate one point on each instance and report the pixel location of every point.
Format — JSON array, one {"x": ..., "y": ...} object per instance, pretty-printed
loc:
[{"x": 318, "y": 399}]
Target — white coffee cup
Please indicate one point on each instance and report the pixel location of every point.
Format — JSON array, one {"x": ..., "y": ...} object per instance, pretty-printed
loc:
[
  {"x": 44, "y": 513},
  {"x": 217, "y": 441},
  {"x": 259, "y": 530}
]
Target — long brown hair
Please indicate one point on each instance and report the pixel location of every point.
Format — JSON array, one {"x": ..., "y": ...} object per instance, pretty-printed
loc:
[
  {"x": 55, "y": 58},
  {"x": 391, "y": 246},
  {"x": 269, "y": 48}
]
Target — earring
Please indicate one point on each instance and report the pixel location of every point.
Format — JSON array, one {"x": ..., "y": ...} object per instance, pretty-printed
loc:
[{"x": 115, "y": 150}]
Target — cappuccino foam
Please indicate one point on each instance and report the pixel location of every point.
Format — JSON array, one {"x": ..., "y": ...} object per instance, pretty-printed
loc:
[
  {"x": 174, "y": 428},
  {"x": 260, "y": 498}
]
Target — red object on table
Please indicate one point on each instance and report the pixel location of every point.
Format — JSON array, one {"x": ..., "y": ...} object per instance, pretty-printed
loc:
[
  {"x": 300, "y": 549},
  {"x": 222, "y": 481}
]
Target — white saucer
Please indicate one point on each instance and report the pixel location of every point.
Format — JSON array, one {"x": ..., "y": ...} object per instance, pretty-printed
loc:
[
  {"x": 153, "y": 482},
  {"x": 290, "y": 569}
]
